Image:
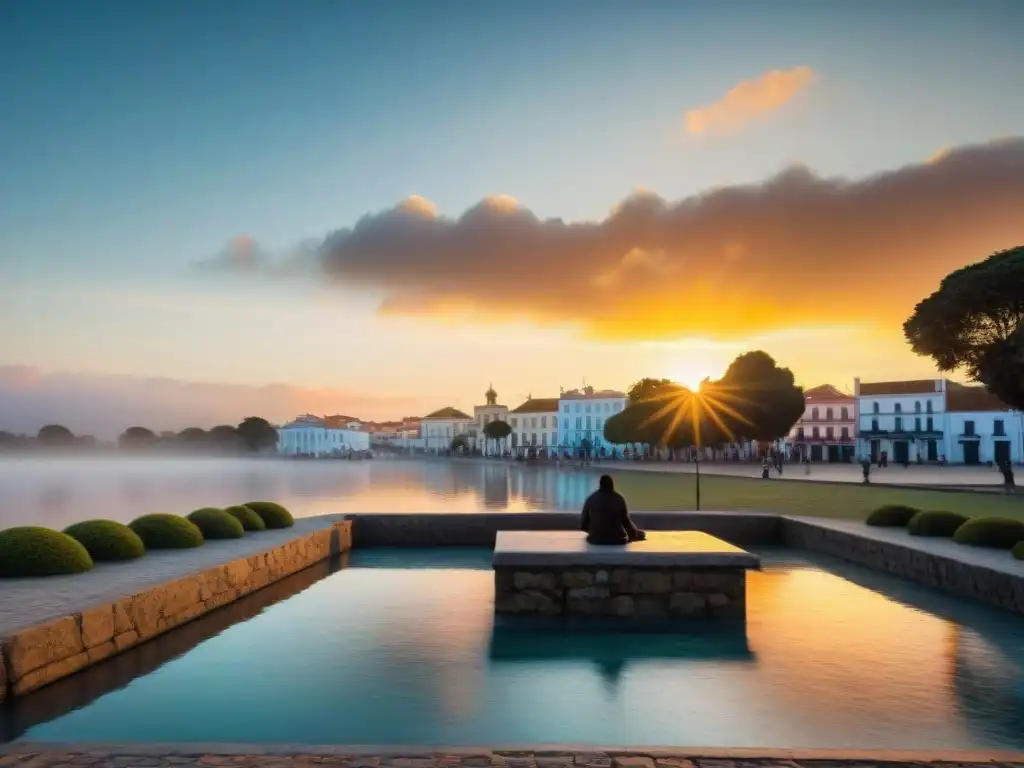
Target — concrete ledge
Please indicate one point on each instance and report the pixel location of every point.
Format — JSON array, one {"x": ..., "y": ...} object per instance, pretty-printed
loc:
[
  {"x": 992, "y": 576},
  {"x": 662, "y": 549},
  {"x": 545, "y": 756},
  {"x": 480, "y": 529},
  {"x": 37, "y": 655}
]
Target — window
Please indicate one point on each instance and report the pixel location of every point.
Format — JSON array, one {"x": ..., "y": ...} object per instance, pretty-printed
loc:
[
  {"x": 543, "y": 422},
  {"x": 898, "y": 408},
  {"x": 533, "y": 422},
  {"x": 917, "y": 424},
  {"x": 597, "y": 423},
  {"x": 930, "y": 425},
  {"x": 814, "y": 414},
  {"x": 533, "y": 439},
  {"x": 514, "y": 422},
  {"x": 874, "y": 408},
  {"x": 844, "y": 414},
  {"x": 899, "y": 424},
  {"x": 554, "y": 421},
  {"x": 928, "y": 406},
  {"x": 997, "y": 427},
  {"x": 554, "y": 438},
  {"x": 917, "y": 406},
  {"x": 487, "y": 418},
  {"x": 844, "y": 433},
  {"x": 588, "y": 422},
  {"x": 968, "y": 427},
  {"x": 588, "y": 407},
  {"x": 618, "y": 407},
  {"x": 544, "y": 438},
  {"x": 830, "y": 432},
  {"x": 815, "y": 432},
  {"x": 607, "y": 407},
  {"x": 579, "y": 407},
  {"x": 565, "y": 408},
  {"x": 874, "y": 424},
  {"x": 800, "y": 433},
  {"x": 579, "y": 422},
  {"x": 828, "y": 414}
]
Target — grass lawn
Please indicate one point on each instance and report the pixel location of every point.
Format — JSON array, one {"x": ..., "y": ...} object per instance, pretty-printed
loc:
[{"x": 664, "y": 491}]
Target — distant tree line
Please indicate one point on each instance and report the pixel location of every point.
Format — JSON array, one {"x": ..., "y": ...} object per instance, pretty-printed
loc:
[{"x": 251, "y": 435}]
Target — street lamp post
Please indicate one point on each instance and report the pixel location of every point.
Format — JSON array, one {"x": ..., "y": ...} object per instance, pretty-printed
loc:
[{"x": 696, "y": 464}]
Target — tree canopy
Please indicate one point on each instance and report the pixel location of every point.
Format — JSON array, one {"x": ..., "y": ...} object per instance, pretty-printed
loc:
[
  {"x": 55, "y": 434},
  {"x": 224, "y": 435},
  {"x": 497, "y": 430},
  {"x": 136, "y": 437},
  {"x": 755, "y": 399},
  {"x": 257, "y": 433},
  {"x": 975, "y": 322}
]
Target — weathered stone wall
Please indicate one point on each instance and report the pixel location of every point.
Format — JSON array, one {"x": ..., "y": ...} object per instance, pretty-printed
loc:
[
  {"x": 36, "y": 656},
  {"x": 623, "y": 592},
  {"x": 998, "y": 588},
  {"x": 480, "y": 529}
]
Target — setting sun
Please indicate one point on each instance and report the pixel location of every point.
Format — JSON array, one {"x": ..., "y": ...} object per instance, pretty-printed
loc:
[{"x": 690, "y": 373}]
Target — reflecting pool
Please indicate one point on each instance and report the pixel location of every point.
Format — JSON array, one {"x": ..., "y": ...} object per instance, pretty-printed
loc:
[{"x": 401, "y": 647}]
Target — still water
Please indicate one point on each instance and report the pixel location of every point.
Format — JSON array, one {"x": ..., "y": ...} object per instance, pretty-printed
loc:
[
  {"x": 402, "y": 648},
  {"x": 56, "y": 492}
]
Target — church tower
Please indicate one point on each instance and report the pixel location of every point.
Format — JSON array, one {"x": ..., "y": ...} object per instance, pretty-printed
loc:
[{"x": 491, "y": 395}]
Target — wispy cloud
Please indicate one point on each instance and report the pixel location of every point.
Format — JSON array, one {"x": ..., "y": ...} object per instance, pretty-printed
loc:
[{"x": 749, "y": 100}]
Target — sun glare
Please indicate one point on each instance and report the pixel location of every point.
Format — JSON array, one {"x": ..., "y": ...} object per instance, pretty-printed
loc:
[{"x": 691, "y": 373}]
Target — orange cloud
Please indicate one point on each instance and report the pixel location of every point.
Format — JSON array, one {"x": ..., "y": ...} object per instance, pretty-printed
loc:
[
  {"x": 749, "y": 100},
  {"x": 796, "y": 251}
]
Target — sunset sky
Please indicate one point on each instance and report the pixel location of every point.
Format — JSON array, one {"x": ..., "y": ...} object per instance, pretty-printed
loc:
[{"x": 210, "y": 210}]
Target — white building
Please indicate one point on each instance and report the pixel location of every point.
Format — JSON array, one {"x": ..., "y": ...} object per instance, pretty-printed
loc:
[
  {"x": 925, "y": 420},
  {"x": 535, "y": 427},
  {"x": 581, "y": 418},
  {"x": 322, "y": 436},
  {"x": 440, "y": 428},
  {"x": 828, "y": 428},
  {"x": 485, "y": 414}
]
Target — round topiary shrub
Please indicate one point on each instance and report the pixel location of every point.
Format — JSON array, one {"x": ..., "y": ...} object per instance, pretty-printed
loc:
[
  {"x": 1018, "y": 550},
  {"x": 891, "y": 516},
  {"x": 995, "y": 532},
  {"x": 250, "y": 520},
  {"x": 106, "y": 540},
  {"x": 217, "y": 524},
  {"x": 935, "y": 523},
  {"x": 162, "y": 531},
  {"x": 274, "y": 515},
  {"x": 35, "y": 551}
]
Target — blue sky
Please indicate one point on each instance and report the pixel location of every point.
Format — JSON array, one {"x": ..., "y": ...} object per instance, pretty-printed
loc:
[{"x": 136, "y": 138}]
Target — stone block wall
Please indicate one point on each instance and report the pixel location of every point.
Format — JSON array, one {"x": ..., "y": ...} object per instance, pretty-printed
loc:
[
  {"x": 958, "y": 577},
  {"x": 621, "y": 591},
  {"x": 36, "y": 656},
  {"x": 480, "y": 529}
]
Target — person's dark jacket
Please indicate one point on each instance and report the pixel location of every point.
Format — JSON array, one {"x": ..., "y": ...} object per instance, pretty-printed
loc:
[{"x": 606, "y": 519}]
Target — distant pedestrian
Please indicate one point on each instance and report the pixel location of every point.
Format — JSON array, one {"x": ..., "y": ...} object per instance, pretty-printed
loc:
[
  {"x": 765, "y": 470},
  {"x": 807, "y": 465},
  {"x": 866, "y": 469},
  {"x": 1008, "y": 482}
]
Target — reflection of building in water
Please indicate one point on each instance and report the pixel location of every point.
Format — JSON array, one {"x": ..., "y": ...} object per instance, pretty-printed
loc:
[
  {"x": 495, "y": 480},
  {"x": 988, "y": 682}
]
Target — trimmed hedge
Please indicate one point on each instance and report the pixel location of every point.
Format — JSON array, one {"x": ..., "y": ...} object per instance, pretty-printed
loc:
[
  {"x": 936, "y": 523},
  {"x": 162, "y": 531},
  {"x": 1018, "y": 550},
  {"x": 106, "y": 540},
  {"x": 250, "y": 520},
  {"x": 995, "y": 532},
  {"x": 891, "y": 516},
  {"x": 31, "y": 550},
  {"x": 217, "y": 524},
  {"x": 274, "y": 515}
]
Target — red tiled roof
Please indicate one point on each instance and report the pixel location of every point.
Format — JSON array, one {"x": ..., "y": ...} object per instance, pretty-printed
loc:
[
  {"x": 538, "y": 405},
  {"x": 916, "y": 387},
  {"x": 448, "y": 413},
  {"x": 964, "y": 398},
  {"x": 575, "y": 394},
  {"x": 826, "y": 392}
]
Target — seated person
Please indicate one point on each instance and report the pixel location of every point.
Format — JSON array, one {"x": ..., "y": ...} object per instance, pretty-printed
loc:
[{"x": 606, "y": 518}]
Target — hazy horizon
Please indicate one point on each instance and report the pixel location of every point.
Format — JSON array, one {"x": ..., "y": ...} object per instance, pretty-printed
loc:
[{"x": 216, "y": 211}]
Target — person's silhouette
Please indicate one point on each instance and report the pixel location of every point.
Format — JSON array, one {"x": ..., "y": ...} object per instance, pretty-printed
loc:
[{"x": 606, "y": 517}]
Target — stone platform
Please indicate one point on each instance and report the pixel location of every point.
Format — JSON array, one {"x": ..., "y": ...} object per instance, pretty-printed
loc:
[{"x": 671, "y": 574}]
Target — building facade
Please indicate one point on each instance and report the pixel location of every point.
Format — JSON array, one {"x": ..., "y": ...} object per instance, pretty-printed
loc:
[
  {"x": 440, "y": 428},
  {"x": 935, "y": 420},
  {"x": 535, "y": 427},
  {"x": 485, "y": 414},
  {"x": 581, "y": 417},
  {"x": 827, "y": 431},
  {"x": 320, "y": 436}
]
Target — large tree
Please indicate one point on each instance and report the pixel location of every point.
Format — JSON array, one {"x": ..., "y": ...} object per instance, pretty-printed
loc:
[
  {"x": 136, "y": 437},
  {"x": 257, "y": 434},
  {"x": 754, "y": 399},
  {"x": 224, "y": 436},
  {"x": 973, "y": 322},
  {"x": 55, "y": 434},
  {"x": 497, "y": 430}
]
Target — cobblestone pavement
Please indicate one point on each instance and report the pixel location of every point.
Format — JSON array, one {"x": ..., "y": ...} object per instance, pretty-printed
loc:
[{"x": 146, "y": 758}]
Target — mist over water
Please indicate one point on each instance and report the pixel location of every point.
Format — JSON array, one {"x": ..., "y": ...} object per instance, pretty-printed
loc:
[{"x": 58, "y": 491}]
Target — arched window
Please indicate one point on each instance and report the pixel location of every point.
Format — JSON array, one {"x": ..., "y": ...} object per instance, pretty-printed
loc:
[
  {"x": 917, "y": 406},
  {"x": 874, "y": 408}
]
